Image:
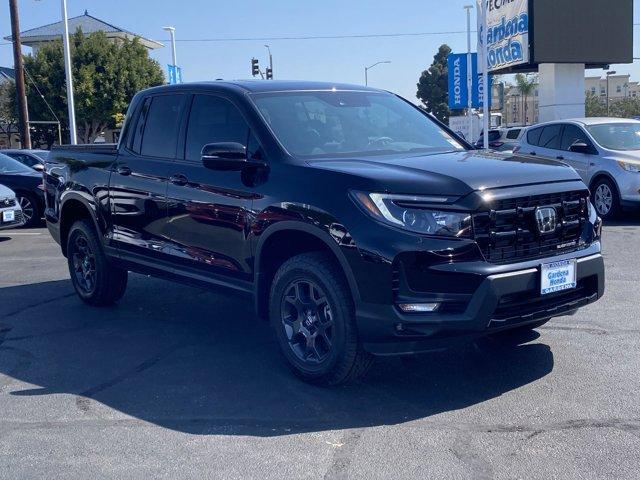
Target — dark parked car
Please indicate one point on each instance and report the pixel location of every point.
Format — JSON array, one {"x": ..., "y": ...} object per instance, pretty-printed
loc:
[
  {"x": 27, "y": 184},
  {"x": 357, "y": 223},
  {"x": 31, "y": 158}
]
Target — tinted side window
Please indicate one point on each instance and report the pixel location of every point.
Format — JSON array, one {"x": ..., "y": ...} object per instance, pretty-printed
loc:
[
  {"x": 550, "y": 137},
  {"x": 212, "y": 120},
  {"x": 138, "y": 128},
  {"x": 513, "y": 134},
  {"x": 160, "y": 138},
  {"x": 571, "y": 135},
  {"x": 533, "y": 136}
]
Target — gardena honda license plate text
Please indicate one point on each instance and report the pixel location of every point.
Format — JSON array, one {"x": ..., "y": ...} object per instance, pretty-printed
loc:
[{"x": 558, "y": 276}]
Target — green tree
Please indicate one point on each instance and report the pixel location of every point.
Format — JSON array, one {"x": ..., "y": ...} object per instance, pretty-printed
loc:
[
  {"x": 106, "y": 75},
  {"x": 8, "y": 114},
  {"x": 433, "y": 88},
  {"x": 626, "y": 108},
  {"x": 594, "y": 106},
  {"x": 526, "y": 85}
]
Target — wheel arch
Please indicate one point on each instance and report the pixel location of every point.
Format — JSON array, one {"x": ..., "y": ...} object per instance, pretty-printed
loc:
[
  {"x": 74, "y": 208},
  {"x": 603, "y": 174},
  {"x": 284, "y": 240}
]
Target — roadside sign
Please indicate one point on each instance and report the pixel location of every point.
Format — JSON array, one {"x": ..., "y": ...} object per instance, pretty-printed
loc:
[
  {"x": 458, "y": 91},
  {"x": 175, "y": 74},
  {"x": 507, "y": 34}
]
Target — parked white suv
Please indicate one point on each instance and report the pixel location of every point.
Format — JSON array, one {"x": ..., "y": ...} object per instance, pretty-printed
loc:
[
  {"x": 604, "y": 151},
  {"x": 10, "y": 211}
]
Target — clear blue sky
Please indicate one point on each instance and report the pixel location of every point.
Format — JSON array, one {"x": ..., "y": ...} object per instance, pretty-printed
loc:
[{"x": 331, "y": 60}]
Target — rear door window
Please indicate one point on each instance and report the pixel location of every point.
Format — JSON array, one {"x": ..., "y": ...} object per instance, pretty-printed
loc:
[
  {"x": 550, "y": 137},
  {"x": 162, "y": 125},
  {"x": 533, "y": 136}
]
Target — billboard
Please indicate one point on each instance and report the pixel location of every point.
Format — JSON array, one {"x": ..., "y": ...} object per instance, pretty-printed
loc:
[
  {"x": 458, "y": 91},
  {"x": 582, "y": 31},
  {"x": 507, "y": 34}
]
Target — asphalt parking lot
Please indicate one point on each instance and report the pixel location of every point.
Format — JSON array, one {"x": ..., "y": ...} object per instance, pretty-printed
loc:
[{"x": 177, "y": 382}]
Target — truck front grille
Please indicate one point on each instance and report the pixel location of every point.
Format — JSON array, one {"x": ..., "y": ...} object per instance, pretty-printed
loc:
[{"x": 509, "y": 231}]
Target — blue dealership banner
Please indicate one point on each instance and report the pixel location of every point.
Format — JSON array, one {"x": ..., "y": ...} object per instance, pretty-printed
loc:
[
  {"x": 175, "y": 74},
  {"x": 458, "y": 91}
]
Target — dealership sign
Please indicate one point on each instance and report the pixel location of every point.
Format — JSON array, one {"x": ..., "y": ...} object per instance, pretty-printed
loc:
[
  {"x": 458, "y": 91},
  {"x": 506, "y": 33}
]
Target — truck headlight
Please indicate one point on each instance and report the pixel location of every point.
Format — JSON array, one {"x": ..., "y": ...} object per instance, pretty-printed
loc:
[
  {"x": 404, "y": 212},
  {"x": 630, "y": 167}
]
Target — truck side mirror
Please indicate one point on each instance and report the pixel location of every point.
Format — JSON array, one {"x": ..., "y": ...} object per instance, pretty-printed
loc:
[{"x": 224, "y": 156}]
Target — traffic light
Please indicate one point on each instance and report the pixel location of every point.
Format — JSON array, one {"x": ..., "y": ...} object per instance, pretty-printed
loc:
[
  {"x": 255, "y": 68},
  {"x": 269, "y": 74}
]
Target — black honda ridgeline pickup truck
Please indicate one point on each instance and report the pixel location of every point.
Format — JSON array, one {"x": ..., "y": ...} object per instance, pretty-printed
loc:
[{"x": 359, "y": 224}]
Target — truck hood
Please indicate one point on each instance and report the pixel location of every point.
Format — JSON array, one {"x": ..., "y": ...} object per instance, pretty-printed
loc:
[{"x": 454, "y": 173}]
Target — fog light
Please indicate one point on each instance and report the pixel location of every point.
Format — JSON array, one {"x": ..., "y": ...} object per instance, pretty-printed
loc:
[{"x": 418, "y": 307}]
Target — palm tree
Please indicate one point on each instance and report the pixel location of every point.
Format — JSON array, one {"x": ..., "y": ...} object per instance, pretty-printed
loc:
[{"x": 526, "y": 85}]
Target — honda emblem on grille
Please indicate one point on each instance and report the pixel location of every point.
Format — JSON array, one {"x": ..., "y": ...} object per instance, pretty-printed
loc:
[{"x": 546, "y": 219}]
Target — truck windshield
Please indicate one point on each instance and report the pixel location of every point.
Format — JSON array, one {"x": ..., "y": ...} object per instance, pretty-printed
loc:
[
  {"x": 617, "y": 136},
  {"x": 350, "y": 123}
]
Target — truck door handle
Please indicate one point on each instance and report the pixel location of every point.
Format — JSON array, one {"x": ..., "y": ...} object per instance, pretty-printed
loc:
[
  {"x": 532, "y": 153},
  {"x": 179, "y": 179},
  {"x": 559, "y": 157},
  {"x": 123, "y": 170}
]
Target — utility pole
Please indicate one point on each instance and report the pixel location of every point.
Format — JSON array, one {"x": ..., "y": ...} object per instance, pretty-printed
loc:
[{"x": 23, "y": 113}]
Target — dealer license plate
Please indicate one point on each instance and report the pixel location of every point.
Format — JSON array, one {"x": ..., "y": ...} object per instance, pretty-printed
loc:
[
  {"x": 558, "y": 276},
  {"x": 9, "y": 216}
]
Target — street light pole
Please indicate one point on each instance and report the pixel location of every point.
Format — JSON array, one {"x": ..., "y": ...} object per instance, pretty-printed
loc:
[
  {"x": 172, "y": 34},
  {"x": 469, "y": 72},
  {"x": 69, "y": 76},
  {"x": 21, "y": 91},
  {"x": 366, "y": 70},
  {"x": 613, "y": 72}
]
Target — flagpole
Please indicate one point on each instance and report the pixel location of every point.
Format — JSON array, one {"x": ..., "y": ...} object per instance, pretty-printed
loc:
[{"x": 485, "y": 76}]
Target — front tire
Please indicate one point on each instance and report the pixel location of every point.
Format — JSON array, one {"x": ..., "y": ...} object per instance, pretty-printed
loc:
[
  {"x": 312, "y": 312},
  {"x": 606, "y": 199},
  {"x": 96, "y": 281}
]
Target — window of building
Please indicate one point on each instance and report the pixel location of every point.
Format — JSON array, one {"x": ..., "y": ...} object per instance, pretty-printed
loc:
[{"x": 619, "y": 89}]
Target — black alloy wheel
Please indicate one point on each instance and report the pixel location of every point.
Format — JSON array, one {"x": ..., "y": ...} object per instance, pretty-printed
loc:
[
  {"x": 307, "y": 321},
  {"x": 84, "y": 263},
  {"x": 313, "y": 314}
]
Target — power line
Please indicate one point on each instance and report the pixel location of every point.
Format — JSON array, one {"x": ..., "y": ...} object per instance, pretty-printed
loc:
[{"x": 316, "y": 37}]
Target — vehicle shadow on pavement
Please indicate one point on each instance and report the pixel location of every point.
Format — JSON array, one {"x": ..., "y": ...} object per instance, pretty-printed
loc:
[{"x": 201, "y": 363}]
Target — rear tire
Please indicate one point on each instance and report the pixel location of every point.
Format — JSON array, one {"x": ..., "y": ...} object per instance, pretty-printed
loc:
[
  {"x": 96, "y": 281},
  {"x": 606, "y": 199},
  {"x": 312, "y": 312}
]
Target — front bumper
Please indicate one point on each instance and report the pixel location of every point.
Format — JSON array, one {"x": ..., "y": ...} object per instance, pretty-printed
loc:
[
  {"x": 18, "y": 222},
  {"x": 506, "y": 297}
]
